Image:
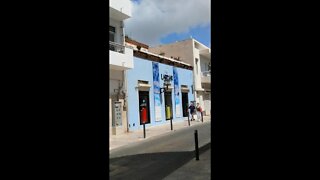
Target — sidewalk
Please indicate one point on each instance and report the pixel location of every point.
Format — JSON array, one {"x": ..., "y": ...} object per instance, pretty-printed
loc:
[{"x": 116, "y": 141}]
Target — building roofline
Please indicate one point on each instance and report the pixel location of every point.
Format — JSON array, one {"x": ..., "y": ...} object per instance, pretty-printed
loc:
[
  {"x": 134, "y": 42},
  {"x": 188, "y": 39},
  {"x": 162, "y": 59},
  {"x": 205, "y": 47}
]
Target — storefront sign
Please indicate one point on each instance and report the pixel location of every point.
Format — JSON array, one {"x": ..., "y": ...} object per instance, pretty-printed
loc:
[
  {"x": 156, "y": 91},
  {"x": 176, "y": 92}
]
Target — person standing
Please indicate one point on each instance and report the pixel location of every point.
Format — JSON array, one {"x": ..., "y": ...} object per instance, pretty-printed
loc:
[
  {"x": 192, "y": 111},
  {"x": 199, "y": 110}
]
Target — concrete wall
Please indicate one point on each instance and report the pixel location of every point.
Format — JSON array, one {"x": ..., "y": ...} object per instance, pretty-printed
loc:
[
  {"x": 143, "y": 71},
  {"x": 207, "y": 104},
  {"x": 182, "y": 49},
  {"x": 115, "y": 77},
  {"x": 197, "y": 70},
  {"x": 120, "y": 61}
]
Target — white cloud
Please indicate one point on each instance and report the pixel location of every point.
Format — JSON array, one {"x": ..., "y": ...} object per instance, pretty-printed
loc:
[{"x": 154, "y": 19}]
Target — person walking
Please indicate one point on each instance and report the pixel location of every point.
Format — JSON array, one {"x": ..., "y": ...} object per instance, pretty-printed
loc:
[
  {"x": 199, "y": 110},
  {"x": 192, "y": 111}
]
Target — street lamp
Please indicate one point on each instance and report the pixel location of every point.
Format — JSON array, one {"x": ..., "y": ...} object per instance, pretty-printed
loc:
[{"x": 166, "y": 82}]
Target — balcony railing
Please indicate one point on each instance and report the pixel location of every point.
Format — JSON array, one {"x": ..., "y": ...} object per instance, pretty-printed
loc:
[
  {"x": 206, "y": 73},
  {"x": 206, "y": 77},
  {"x": 116, "y": 47}
]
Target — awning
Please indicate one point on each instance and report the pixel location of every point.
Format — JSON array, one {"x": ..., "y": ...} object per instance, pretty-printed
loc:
[
  {"x": 169, "y": 88},
  {"x": 200, "y": 90},
  {"x": 184, "y": 89},
  {"x": 144, "y": 87}
]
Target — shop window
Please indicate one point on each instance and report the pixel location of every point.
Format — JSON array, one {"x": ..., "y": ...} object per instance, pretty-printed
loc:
[
  {"x": 168, "y": 105},
  {"x": 144, "y": 107}
]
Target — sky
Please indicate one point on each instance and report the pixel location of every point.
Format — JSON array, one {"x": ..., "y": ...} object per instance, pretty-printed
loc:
[{"x": 156, "y": 22}]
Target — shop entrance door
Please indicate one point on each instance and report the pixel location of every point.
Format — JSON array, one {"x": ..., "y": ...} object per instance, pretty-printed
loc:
[
  {"x": 168, "y": 104},
  {"x": 185, "y": 104},
  {"x": 144, "y": 108}
]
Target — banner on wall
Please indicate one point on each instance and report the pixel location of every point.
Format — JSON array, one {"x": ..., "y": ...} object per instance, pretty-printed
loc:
[
  {"x": 176, "y": 92},
  {"x": 156, "y": 91}
]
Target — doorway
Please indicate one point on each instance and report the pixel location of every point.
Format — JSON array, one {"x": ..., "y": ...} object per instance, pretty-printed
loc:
[
  {"x": 185, "y": 104},
  {"x": 144, "y": 103},
  {"x": 168, "y": 105}
]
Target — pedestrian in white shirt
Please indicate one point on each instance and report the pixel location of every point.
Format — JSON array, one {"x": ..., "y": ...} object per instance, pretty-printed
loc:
[{"x": 199, "y": 110}]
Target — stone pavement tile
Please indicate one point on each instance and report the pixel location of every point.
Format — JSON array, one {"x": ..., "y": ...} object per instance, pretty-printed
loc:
[{"x": 196, "y": 170}]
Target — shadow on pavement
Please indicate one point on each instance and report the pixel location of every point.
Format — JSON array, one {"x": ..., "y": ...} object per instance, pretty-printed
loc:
[{"x": 150, "y": 166}]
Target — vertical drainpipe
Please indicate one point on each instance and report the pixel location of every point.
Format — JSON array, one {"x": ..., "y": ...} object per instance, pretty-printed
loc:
[
  {"x": 123, "y": 33},
  {"x": 126, "y": 98},
  {"x": 124, "y": 75},
  {"x": 194, "y": 82},
  {"x": 194, "y": 73}
]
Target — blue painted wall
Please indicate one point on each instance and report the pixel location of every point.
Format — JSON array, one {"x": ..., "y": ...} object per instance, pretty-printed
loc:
[{"x": 143, "y": 71}]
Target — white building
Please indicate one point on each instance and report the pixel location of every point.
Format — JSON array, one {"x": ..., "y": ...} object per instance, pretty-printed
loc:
[
  {"x": 120, "y": 60},
  {"x": 199, "y": 56}
]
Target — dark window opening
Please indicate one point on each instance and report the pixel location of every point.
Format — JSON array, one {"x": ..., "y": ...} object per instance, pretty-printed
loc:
[
  {"x": 112, "y": 32},
  {"x": 168, "y": 105},
  {"x": 144, "y": 103},
  {"x": 185, "y": 104}
]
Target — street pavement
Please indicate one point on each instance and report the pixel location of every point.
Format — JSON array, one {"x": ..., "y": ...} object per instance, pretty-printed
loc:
[
  {"x": 198, "y": 170},
  {"x": 126, "y": 139},
  {"x": 163, "y": 154}
]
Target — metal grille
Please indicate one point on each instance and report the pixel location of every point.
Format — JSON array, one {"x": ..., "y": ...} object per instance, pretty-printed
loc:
[
  {"x": 116, "y": 47},
  {"x": 206, "y": 73}
]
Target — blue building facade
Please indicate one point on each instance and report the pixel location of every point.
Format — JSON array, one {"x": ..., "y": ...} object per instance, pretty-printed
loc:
[{"x": 143, "y": 90}]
